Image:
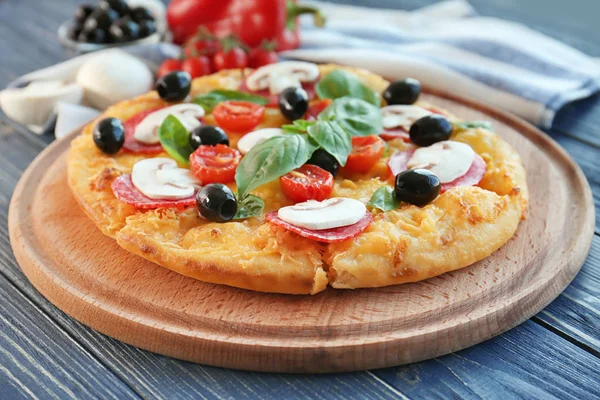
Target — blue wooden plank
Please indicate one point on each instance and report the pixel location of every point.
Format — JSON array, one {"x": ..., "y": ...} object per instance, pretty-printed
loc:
[
  {"x": 527, "y": 362},
  {"x": 39, "y": 360}
]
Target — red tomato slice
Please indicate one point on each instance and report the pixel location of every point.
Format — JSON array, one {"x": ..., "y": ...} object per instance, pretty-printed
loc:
[
  {"x": 309, "y": 87},
  {"x": 366, "y": 151},
  {"x": 133, "y": 146},
  {"x": 125, "y": 191},
  {"x": 308, "y": 182},
  {"x": 333, "y": 235},
  {"x": 317, "y": 108},
  {"x": 215, "y": 164},
  {"x": 238, "y": 116},
  {"x": 472, "y": 177}
]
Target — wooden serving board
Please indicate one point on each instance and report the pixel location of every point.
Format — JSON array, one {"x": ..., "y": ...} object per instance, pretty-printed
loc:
[{"x": 90, "y": 277}]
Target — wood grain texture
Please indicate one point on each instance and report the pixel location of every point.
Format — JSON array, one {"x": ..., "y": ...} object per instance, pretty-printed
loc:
[
  {"x": 39, "y": 360},
  {"x": 158, "y": 310}
]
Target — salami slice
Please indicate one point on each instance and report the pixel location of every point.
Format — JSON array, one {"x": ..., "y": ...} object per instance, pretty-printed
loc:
[
  {"x": 125, "y": 191},
  {"x": 398, "y": 161},
  {"x": 133, "y": 146},
  {"x": 333, "y": 235},
  {"x": 309, "y": 87}
]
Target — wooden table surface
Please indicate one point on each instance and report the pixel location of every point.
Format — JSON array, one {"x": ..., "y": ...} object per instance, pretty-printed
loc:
[{"x": 46, "y": 354}]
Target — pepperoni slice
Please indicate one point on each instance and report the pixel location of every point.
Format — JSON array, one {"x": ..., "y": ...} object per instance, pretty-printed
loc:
[
  {"x": 398, "y": 161},
  {"x": 133, "y": 146},
  {"x": 333, "y": 235},
  {"x": 125, "y": 191},
  {"x": 309, "y": 87}
]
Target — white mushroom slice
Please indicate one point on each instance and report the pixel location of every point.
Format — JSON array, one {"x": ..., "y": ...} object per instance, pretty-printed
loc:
[
  {"x": 279, "y": 76},
  {"x": 402, "y": 116},
  {"x": 161, "y": 179},
  {"x": 187, "y": 114},
  {"x": 326, "y": 214},
  {"x": 249, "y": 140},
  {"x": 448, "y": 159}
]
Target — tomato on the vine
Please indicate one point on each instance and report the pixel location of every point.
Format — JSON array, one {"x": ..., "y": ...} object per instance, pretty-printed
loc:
[
  {"x": 197, "y": 66},
  {"x": 260, "y": 56},
  {"x": 308, "y": 182},
  {"x": 366, "y": 151},
  {"x": 168, "y": 66},
  {"x": 214, "y": 164},
  {"x": 235, "y": 57},
  {"x": 204, "y": 44},
  {"x": 238, "y": 116}
]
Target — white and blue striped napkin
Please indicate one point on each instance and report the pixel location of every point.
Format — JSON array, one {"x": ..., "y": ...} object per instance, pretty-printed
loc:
[{"x": 449, "y": 47}]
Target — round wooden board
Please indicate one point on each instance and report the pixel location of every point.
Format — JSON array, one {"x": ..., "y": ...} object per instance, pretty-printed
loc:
[{"x": 124, "y": 296}]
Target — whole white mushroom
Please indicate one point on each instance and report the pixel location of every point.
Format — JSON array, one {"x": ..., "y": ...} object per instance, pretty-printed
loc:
[{"x": 112, "y": 76}]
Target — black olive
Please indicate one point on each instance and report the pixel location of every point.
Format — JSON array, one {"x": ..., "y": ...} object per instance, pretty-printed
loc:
[
  {"x": 174, "y": 86},
  {"x": 208, "y": 135},
  {"x": 430, "y": 129},
  {"x": 74, "y": 32},
  {"x": 216, "y": 202},
  {"x": 406, "y": 91},
  {"x": 119, "y": 6},
  {"x": 109, "y": 135},
  {"x": 96, "y": 36},
  {"x": 323, "y": 159},
  {"x": 417, "y": 186},
  {"x": 140, "y": 14},
  {"x": 124, "y": 30},
  {"x": 147, "y": 28},
  {"x": 293, "y": 103},
  {"x": 82, "y": 12},
  {"x": 100, "y": 19}
]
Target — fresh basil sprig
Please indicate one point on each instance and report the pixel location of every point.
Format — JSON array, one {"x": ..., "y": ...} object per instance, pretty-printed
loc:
[
  {"x": 298, "y": 126},
  {"x": 341, "y": 83},
  {"x": 384, "y": 199},
  {"x": 464, "y": 125},
  {"x": 356, "y": 116},
  {"x": 209, "y": 100},
  {"x": 271, "y": 159},
  {"x": 332, "y": 138},
  {"x": 249, "y": 206},
  {"x": 175, "y": 139}
]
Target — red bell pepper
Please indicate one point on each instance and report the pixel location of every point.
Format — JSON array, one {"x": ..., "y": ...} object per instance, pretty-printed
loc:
[{"x": 251, "y": 21}]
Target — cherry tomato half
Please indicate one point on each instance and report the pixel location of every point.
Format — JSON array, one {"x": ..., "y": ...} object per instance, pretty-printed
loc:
[
  {"x": 308, "y": 182},
  {"x": 238, "y": 116},
  {"x": 234, "y": 58},
  {"x": 366, "y": 151},
  {"x": 214, "y": 164},
  {"x": 316, "y": 108},
  {"x": 197, "y": 66},
  {"x": 167, "y": 66}
]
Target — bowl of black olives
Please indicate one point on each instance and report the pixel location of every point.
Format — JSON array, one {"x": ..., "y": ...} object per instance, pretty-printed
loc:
[{"x": 111, "y": 23}]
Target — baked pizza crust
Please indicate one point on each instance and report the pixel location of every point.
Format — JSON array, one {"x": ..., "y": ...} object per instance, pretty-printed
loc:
[{"x": 462, "y": 226}]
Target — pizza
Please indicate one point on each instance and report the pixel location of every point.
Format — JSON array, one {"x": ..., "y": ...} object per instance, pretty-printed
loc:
[{"x": 295, "y": 177}]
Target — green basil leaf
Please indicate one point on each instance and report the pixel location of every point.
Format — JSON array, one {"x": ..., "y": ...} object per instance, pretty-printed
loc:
[
  {"x": 175, "y": 139},
  {"x": 271, "y": 159},
  {"x": 249, "y": 206},
  {"x": 384, "y": 199},
  {"x": 332, "y": 138},
  {"x": 463, "y": 126},
  {"x": 209, "y": 100},
  {"x": 341, "y": 83},
  {"x": 298, "y": 126},
  {"x": 356, "y": 116}
]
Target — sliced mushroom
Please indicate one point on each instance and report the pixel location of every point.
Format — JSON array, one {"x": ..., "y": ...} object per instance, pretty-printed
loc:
[
  {"x": 279, "y": 76},
  {"x": 162, "y": 179},
  {"x": 187, "y": 114},
  {"x": 402, "y": 116},
  {"x": 326, "y": 214},
  {"x": 249, "y": 140},
  {"x": 448, "y": 159}
]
